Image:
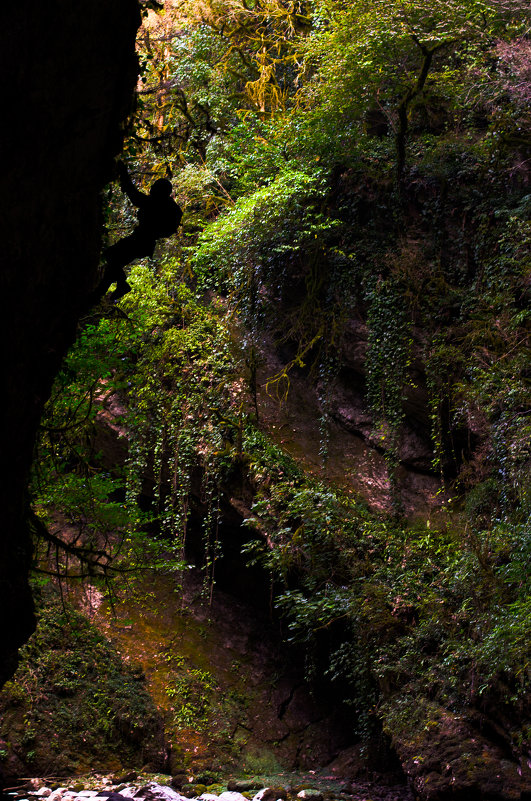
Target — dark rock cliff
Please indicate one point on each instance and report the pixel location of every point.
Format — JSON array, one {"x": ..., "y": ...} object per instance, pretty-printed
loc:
[{"x": 68, "y": 73}]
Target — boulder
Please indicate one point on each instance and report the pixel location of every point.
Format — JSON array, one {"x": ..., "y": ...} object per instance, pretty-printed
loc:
[
  {"x": 230, "y": 795},
  {"x": 159, "y": 792},
  {"x": 244, "y": 785},
  {"x": 444, "y": 757},
  {"x": 58, "y": 794},
  {"x": 271, "y": 794},
  {"x": 310, "y": 795},
  {"x": 128, "y": 791},
  {"x": 178, "y": 780}
]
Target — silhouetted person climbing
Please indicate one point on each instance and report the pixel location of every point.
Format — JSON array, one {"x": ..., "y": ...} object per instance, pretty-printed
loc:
[{"x": 158, "y": 216}]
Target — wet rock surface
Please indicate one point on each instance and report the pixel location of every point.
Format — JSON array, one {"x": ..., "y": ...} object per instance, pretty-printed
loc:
[
  {"x": 355, "y": 460},
  {"x": 258, "y": 711},
  {"x": 447, "y": 758}
]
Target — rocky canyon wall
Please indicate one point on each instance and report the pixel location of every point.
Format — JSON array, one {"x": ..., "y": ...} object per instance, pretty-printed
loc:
[{"x": 68, "y": 75}]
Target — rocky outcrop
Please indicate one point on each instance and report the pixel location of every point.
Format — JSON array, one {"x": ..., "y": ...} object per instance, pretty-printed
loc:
[
  {"x": 446, "y": 757},
  {"x": 347, "y": 400},
  {"x": 75, "y": 702},
  {"x": 69, "y": 72}
]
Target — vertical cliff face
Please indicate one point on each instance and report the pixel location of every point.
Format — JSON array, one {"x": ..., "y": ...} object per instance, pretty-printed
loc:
[{"x": 68, "y": 75}]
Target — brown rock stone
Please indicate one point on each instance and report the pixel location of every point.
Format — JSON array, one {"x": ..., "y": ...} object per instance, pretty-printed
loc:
[{"x": 444, "y": 758}]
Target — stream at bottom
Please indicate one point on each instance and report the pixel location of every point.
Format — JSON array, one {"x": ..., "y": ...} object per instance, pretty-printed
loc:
[{"x": 310, "y": 786}]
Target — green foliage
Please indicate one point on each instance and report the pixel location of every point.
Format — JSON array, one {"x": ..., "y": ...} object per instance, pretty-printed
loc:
[
  {"x": 388, "y": 359},
  {"x": 185, "y": 407},
  {"x": 173, "y": 366},
  {"x": 383, "y": 609},
  {"x": 262, "y": 241},
  {"x": 258, "y": 228},
  {"x": 192, "y": 695}
]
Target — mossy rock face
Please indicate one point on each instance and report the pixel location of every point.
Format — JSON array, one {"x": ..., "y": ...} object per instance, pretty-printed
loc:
[
  {"x": 444, "y": 757},
  {"x": 73, "y": 702}
]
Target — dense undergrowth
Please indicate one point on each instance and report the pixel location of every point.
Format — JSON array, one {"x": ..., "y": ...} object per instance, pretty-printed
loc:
[{"x": 334, "y": 162}]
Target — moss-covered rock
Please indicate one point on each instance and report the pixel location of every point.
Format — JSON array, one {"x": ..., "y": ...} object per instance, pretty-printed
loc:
[
  {"x": 445, "y": 758},
  {"x": 73, "y": 702}
]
